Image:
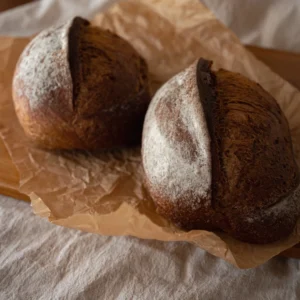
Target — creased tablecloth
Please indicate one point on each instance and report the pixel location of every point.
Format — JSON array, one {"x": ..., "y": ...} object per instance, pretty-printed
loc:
[{"x": 70, "y": 264}]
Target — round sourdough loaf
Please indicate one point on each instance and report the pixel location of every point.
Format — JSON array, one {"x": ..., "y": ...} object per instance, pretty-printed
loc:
[
  {"x": 217, "y": 154},
  {"x": 78, "y": 86}
]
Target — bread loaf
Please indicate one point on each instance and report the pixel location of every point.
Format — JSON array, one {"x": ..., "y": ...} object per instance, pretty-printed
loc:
[
  {"x": 78, "y": 86},
  {"x": 217, "y": 155}
]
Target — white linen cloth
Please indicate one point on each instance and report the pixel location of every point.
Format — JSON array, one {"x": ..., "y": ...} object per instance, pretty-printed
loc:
[
  {"x": 39, "y": 260},
  {"x": 267, "y": 23}
]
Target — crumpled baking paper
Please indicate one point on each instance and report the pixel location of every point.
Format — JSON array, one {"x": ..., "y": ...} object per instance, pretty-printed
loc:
[{"x": 103, "y": 192}]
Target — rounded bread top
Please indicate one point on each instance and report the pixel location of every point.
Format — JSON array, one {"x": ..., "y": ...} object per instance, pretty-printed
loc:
[
  {"x": 176, "y": 143},
  {"x": 43, "y": 69}
]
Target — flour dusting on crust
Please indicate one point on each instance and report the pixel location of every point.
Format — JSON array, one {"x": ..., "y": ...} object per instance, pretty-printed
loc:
[
  {"x": 172, "y": 169},
  {"x": 43, "y": 68}
]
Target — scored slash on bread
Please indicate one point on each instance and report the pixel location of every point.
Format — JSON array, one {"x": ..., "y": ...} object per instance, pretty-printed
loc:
[{"x": 217, "y": 154}]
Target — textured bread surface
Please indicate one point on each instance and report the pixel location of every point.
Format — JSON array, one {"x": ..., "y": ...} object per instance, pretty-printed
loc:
[
  {"x": 78, "y": 86},
  {"x": 249, "y": 179}
]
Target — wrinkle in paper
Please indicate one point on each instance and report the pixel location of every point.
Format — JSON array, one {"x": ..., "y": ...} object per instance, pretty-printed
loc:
[{"x": 103, "y": 192}]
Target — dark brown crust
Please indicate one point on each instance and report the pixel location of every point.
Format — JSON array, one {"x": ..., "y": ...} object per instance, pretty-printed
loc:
[
  {"x": 114, "y": 95},
  {"x": 255, "y": 179},
  {"x": 256, "y": 161},
  {"x": 109, "y": 100}
]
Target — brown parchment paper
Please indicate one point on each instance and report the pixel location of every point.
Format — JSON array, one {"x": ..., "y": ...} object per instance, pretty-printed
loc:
[{"x": 103, "y": 192}]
